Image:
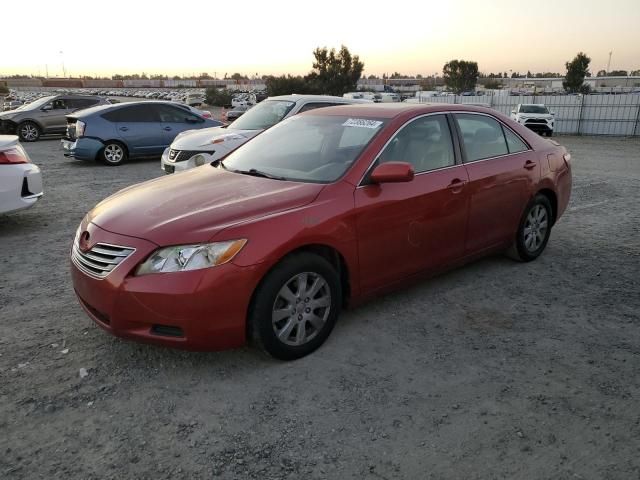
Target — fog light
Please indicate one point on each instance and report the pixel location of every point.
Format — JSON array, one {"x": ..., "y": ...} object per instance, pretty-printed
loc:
[{"x": 199, "y": 160}]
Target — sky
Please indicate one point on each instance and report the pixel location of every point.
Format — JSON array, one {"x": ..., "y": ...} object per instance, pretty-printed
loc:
[{"x": 96, "y": 37}]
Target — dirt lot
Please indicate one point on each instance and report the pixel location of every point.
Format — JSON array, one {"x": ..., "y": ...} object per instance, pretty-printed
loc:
[{"x": 495, "y": 370}]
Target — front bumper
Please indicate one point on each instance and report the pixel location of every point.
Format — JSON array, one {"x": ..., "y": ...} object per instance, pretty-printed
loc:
[
  {"x": 538, "y": 126},
  {"x": 20, "y": 186},
  {"x": 168, "y": 166},
  {"x": 83, "y": 148},
  {"x": 198, "y": 310}
]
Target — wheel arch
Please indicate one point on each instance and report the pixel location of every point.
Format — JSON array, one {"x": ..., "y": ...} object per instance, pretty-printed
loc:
[
  {"x": 329, "y": 253},
  {"x": 553, "y": 199},
  {"x": 113, "y": 140}
]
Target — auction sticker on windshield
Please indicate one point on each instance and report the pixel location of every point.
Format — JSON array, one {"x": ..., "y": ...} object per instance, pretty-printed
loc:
[{"x": 362, "y": 123}]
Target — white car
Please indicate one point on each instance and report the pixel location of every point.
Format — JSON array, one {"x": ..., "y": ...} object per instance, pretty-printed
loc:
[
  {"x": 196, "y": 147},
  {"x": 20, "y": 180},
  {"x": 535, "y": 116}
]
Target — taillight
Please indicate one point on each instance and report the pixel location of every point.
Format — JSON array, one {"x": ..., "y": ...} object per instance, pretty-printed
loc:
[
  {"x": 13, "y": 156},
  {"x": 80, "y": 126}
]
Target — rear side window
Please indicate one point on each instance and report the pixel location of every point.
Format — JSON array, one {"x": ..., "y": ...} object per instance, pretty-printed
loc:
[
  {"x": 133, "y": 114},
  {"x": 78, "y": 103},
  {"x": 515, "y": 144},
  {"x": 482, "y": 136},
  {"x": 314, "y": 105}
]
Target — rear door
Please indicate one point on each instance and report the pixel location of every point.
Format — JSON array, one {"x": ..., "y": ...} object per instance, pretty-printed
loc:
[
  {"x": 175, "y": 120},
  {"x": 404, "y": 228},
  {"x": 502, "y": 174},
  {"x": 139, "y": 126}
]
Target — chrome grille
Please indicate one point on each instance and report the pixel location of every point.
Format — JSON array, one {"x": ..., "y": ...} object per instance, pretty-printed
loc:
[
  {"x": 183, "y": 155},
  {"x": 101, "y": 260}
]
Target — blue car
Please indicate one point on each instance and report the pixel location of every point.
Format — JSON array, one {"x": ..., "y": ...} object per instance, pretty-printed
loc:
[{"x": 113, "y": 133}]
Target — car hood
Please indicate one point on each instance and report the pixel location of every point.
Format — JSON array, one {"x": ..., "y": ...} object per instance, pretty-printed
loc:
[
  {"x": 193, "y": 206},
  {"x": 203, "y": 139}
]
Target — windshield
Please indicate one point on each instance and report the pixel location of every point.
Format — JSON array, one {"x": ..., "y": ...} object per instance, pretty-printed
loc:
[
  {"x": 37, "y": 104},
  {"x": 533, "y": 109},
  {"x": 263, "y": 115},
  {"x": 307, "y": 148}
]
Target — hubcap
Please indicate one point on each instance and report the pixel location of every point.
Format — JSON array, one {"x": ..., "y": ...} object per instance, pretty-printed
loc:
[
  {"x": 29, "y": 132},
  {"x": 113, "y": 153},
  {"x": 535, "y": 228},
  {"x": 301, "y": 308}
]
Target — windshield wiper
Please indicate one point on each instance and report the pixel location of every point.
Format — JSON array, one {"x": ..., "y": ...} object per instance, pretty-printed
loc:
[{"x": 257, "y": 173}]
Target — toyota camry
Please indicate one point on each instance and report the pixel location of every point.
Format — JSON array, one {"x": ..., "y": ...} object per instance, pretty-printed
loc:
[{"x": 323, "y": 210}]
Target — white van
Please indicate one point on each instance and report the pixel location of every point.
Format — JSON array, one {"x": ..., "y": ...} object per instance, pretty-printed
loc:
[{"x": 388, "y": 97}]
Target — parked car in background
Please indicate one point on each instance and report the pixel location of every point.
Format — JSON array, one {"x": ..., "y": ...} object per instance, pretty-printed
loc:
[
  {"x": 535, "y": 116},
  {"x": 326, "y": 208},
  {"x": 11, "y": 105},
  {"x": 20, "y": 180},
  {"x": 235, "y": 113},
  {"x": 193, "y": 149},
  {"x": 194, "y": 99},
  {"x": 113, "y": 133},
  {"x": 45, "y": 115}
]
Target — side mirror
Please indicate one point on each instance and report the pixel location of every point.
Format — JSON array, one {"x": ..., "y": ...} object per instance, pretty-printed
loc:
[
  {"x": 552, "y": 113},
  {"x": 46, "y": 108},
  {"x": 192, "y": 120},
  {"x": 513, "y": 111},
  {"x": 393, "y": 172}
]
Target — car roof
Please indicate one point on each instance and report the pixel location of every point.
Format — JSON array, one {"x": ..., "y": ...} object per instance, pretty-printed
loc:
[
  {"x": 309, "y": 98},
  {"x": 393, "y": 110}
]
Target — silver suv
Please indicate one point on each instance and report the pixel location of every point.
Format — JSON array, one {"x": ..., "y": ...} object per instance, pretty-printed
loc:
[{"x": 45, "y": 116}]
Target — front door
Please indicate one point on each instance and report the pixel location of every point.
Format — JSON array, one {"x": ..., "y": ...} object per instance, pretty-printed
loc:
[
  {"x": 404, "y": 228},
  {"x": 139, "y": 126}
]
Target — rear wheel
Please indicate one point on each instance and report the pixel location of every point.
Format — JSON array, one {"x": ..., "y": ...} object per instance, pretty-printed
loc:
[
  {"x": 113, "y": 154},
  {"x": 28, "y": 131},
  {"x": 534, "y": 230},
  {"x": 296, "y": 306}
]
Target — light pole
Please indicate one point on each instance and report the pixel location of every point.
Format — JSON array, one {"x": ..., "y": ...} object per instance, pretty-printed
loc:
[{"x": 64, "y": 71}]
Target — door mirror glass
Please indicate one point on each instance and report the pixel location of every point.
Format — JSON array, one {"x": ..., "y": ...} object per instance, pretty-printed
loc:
[
  {"x": 392, "y": 172},
  {"x": 513, "y": 111},
  {"x": 46, "y": 108}
]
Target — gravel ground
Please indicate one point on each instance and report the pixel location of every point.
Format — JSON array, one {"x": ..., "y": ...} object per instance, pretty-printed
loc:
[{"x": 495, "y": 370}]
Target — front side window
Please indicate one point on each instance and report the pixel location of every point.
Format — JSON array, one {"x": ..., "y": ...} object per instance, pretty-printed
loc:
[
  {"x": 169, "y": 114},
  {"x": 59, "y": 104},
  {"x": 263, "y": 115},
  {"x": 482, "y": 136},
  {"x": 314, "y": 105},
  {"x": 134, "y": 114},
  {"x": 425, "y": 143},
  {"x": 307, "y": 148}
]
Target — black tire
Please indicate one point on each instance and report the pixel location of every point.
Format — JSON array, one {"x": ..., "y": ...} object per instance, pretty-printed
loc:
[
  {"x": 550, "y": 133},
  {"x": 268, "y": 299},
  {"x": 524, "y": 249},
  {"x": 113, "y": 154},
  {"x": 28, "y": 131}
]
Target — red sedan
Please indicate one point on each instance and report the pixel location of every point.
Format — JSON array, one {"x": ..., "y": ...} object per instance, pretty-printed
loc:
[{"x": 325, "y": 209}]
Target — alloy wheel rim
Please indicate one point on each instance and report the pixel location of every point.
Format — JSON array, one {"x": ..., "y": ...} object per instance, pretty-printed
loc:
[
  {"x": 535, "y": 228},
  {"x": 113, "y": 153},
  {"x": 29, "y": 132},
  {"x": 301, "y": 308}
]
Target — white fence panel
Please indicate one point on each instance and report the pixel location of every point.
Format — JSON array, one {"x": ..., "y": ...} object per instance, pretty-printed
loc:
[{"x": 574, "y": 114}]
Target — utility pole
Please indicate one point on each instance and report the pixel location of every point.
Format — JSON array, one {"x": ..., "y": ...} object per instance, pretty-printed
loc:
[{"x": 609, "y": 63}]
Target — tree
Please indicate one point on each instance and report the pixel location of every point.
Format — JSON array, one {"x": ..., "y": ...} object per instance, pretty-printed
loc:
[
  {"x": 618, "y": 73},
  {"x": 334, "y": 73},
  {"x": 460, "y": 75},
  {"x": 635, "y": 73},
  {"x": 238, "y": 76},
  {"x": 601, "y": 73},
  {"x": 217, "y": 97},
  {"x": 492, "y": 84},
  {"x": 286, "y": 85},
  {"x": 577, "y": 70}
]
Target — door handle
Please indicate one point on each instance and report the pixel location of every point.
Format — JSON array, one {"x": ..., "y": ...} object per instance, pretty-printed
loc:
[
  {"x": 456, "y": 185},
  {"x": 167, "y": 129},
  {"x": 124, "y": 129},
  {"x": 529, "y": 164}
]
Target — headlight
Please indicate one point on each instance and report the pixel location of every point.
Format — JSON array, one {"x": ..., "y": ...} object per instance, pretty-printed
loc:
[{"x": 190, "y": 257}]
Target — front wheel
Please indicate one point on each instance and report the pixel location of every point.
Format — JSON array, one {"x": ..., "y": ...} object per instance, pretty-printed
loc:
[
  {"x": 534, "y": 230},
  {"x": 113, "y": 154},
  {"x": 28, "y": 131},
  {"x": 296, "y": 306}
]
